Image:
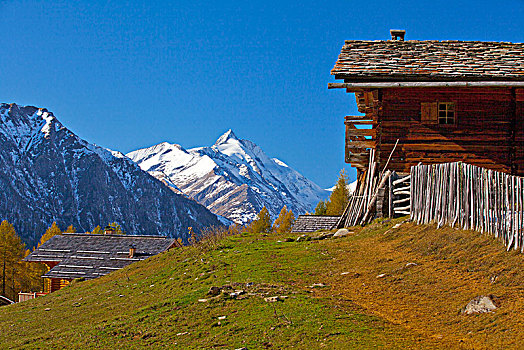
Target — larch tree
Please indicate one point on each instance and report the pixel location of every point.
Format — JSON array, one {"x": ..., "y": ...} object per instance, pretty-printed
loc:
[
  {"x": 118, "y": 229},
  {"x": 32, "y": 280},
  {"x": 70, "y": 229},
  {"x": 284, "y": 221},
  {"x": 50, "y": 232},
  {"x": 11, "y": 253},
  {"x": 321, "y": 208},
  {"x": 96, "y": 231},
  {"x": 289, "y": 220},
  {"x": 339, "y": 197},
  {"x": 262, "y": 223},
  {"x": 279, "y": 220}
]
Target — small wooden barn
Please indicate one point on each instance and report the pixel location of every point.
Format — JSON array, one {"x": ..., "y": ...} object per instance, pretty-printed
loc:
[
  {"x": 79, "y": 255},
  {"x": 444, "y": 101}
]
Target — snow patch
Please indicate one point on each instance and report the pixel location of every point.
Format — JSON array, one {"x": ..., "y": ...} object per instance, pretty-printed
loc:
[
  {"x": 279, "y": 162},
  {"x": 351, "y": 187}
]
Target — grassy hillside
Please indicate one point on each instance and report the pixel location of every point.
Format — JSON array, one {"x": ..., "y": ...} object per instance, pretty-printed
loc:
[{"x": 330, "y": 296}]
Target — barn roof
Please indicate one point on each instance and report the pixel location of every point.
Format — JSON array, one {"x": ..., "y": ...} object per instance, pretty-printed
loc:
[
  {"x": 312, "y": 223},
  {"x": 90, "y": 256},
  {"x": 398, "y": 60}
]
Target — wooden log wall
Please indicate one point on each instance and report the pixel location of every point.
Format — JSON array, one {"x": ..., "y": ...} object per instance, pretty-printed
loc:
[
  {"x": 489, "y": 129},
  {"x": 469, "y": 197},
  {"x": 519, "y": 132}
]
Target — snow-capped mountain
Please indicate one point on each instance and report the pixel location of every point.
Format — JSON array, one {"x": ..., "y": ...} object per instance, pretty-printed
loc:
[
  {"x": 233, "y": 178},
  {"x": 47, "y": 174}
]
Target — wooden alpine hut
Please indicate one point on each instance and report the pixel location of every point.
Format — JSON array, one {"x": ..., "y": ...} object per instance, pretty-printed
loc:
[
  {"x": 79, "y": 255},
  {"x": 444, "y": 101}
]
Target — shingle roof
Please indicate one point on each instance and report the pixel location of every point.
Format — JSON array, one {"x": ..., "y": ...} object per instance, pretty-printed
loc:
[
  {"x": 396, "y": 60},
  {"x": 90, "y": 256},
  {"x": 312, "y": 223}
]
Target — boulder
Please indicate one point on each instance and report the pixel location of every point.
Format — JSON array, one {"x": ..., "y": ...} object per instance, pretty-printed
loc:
[
  {"x": 275, "y": 298},
  {"x": 481, "y": 304},
  {"x": 341, "y": 233},
  {"x": 214, "y": 291},
  {"x": 302, "y": 238},
  {"x": 323, "y": 235}
]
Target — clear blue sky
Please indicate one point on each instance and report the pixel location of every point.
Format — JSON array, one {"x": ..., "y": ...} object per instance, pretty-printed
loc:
[{"x": 127, "y": 75}]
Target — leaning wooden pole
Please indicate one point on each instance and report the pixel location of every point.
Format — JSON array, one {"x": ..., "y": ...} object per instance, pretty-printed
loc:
[{"x": 375, "y": 196}]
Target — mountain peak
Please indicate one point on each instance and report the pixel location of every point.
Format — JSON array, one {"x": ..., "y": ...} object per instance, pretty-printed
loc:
[
  {"x": 59, "y": 172},
  {"x": 234, "y": 178},
  {"x": 228, "y": 135}
]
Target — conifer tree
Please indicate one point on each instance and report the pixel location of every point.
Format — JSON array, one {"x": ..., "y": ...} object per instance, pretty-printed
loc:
[
  {"x": 339, "y": 197},
  {"x": 321, "y": 208},
  {"x": 96, "y": 231},
  {"x": 262, "y": 223},
  {"x": 284, "y": 221},
  {"x": 50, "y": 232},
  {"x": 234, "y": 229},
  {"x": 289, "y": 220},
  {"x": 30, "y": 278},
  {"x": 118, "y": 229},
  {"x": 279, "y": 220},
  {"x": 70, "y": 229},
  {"x": 11, "y": 253}
]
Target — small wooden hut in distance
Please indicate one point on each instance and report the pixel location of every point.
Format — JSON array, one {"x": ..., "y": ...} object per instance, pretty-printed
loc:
[
  {"x": 79, "y": 255},
  {"x": 445, "y": 101}
]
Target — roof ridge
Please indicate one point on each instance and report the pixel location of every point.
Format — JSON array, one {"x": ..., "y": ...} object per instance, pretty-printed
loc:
[
  {"x": 434, "y": 41},
  {"x": 119, "y": 236}
]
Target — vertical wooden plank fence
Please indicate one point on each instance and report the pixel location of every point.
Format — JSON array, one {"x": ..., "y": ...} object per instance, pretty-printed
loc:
[{"x": 469, "y": 197}]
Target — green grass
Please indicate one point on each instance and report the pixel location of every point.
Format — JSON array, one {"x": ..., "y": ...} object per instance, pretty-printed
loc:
[{"x": 155, "y": 303}]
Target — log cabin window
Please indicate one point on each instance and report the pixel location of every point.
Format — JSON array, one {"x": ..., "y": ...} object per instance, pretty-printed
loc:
[{"x": 446, "y": 113}]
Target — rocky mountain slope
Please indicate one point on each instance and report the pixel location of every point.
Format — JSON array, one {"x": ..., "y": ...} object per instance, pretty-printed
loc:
[
  {"x": 233, "y": 178},
  {"x": 47, "y": 174}
]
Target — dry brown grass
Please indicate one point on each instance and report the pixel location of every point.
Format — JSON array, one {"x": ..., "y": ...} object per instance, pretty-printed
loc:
[
  {"x": 211, "y": 237},
  {"x": 453, "y": 266}
]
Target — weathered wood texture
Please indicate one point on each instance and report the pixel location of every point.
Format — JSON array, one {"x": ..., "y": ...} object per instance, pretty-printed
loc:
[
  {"x": 519, "y": 132},
  {"x": 401, "y": 195},
  {"x": 488, "y": 132},
  {"x": 362, "y": 204},
  {"x": 361, "y": 133},
  {"x": 469, "y": 197}
]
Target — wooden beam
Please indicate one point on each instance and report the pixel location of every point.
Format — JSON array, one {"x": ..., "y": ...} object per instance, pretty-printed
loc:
[
  {"x": 420, "y": 84},
  {"x": 358, "y": 159},
  {"x": 362, "y": 144},
  {"x": 361, "y": 122},
  {"x": 358, "y": 117},
  {"x": 362, "y": 132}
]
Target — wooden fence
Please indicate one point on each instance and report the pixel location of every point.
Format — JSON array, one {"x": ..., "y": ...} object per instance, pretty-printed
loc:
[{"x": 470, "y": 197}]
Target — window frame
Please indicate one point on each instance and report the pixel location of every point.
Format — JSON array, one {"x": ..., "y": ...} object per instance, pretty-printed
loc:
[{"x": 450, "y": 113}]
